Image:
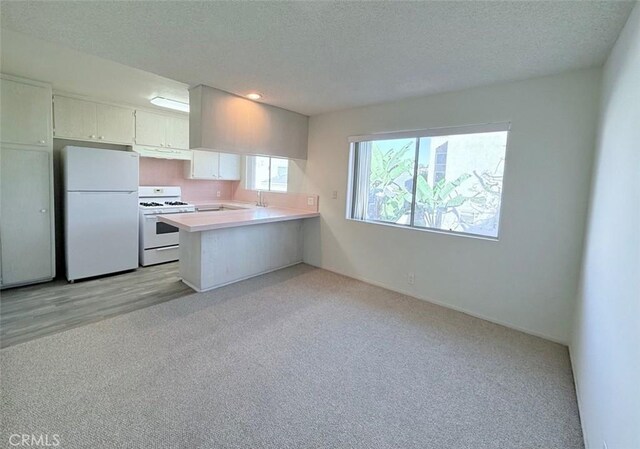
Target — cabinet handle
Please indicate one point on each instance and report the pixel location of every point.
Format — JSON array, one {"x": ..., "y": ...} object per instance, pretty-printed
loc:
[
  {"x": 169, "y": 145},
  {"x": 43, "y": 211},
  {"x": 42, "y": 141},
  {"x": 101, "y": 137},
  {"x": 92, "y": 136}
]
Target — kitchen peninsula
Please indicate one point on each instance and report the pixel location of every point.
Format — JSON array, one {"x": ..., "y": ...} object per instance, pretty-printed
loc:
[{"x": 222, "y": 247}]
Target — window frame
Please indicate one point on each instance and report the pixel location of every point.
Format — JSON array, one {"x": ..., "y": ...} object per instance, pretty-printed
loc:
[
  {"x": 250, "y": 174},
  {"x": 418, "y": 134}
]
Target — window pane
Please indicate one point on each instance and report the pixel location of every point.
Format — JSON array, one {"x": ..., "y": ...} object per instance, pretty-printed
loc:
[
  {"x": 258, "y": 172},
  {"x": 459, "y": 186},
  {"x": 385, "y": 180},
  {"x": 279, "y": 174}
]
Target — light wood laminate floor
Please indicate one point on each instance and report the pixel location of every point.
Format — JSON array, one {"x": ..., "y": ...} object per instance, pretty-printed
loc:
[{"x": 35, "y": 311}]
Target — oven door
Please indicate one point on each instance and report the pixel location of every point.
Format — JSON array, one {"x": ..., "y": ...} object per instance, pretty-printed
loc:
[{"x": 156, "y": 234}]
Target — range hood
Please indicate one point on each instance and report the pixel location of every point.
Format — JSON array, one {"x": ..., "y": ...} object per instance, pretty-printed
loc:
[{"x": 223, "y": 122}]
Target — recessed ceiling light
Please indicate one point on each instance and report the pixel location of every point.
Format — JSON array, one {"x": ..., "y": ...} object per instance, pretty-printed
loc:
[
  {"x": 170, "y": 104},
  {"x": 254, "y": 96}
]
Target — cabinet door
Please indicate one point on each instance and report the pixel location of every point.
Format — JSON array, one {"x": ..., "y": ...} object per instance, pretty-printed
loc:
[
  {"x": 115, "y": 124},
  {"x": 150, "y": 128},
  {"x": 25, "y": 224},
  {"x": 25, "y": 115},
  {"x": 229, "y": 167},
  {"x": 177, "y": 135},
  {"x": 205, "y": 165},
  {"x": 74, "y": 119}
]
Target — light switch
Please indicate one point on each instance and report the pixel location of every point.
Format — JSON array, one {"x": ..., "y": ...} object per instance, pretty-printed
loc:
[
  {"x": 334, "y": 195},
  {"x": 310, "y": 201}
]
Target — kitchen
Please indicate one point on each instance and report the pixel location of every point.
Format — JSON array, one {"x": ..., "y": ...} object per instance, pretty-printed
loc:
[
  {"x": 108, "y": 172},
  {"x": 319, "y": 224}
]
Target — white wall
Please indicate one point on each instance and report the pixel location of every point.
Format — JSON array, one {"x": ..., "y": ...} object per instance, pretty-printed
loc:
[
  {"x": 71, "y": 71},
  {"x": 605, "y": 348},
  {"x": 527, "y": 280}
]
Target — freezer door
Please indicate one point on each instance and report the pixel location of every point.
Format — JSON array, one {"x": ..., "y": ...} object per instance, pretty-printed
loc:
[
  {"x": 91, "y": 169},
  {"x": 101, "y": 233}
]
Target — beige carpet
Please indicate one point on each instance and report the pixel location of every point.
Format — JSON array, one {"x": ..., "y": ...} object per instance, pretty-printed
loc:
[{"x": 300, "y": 358}]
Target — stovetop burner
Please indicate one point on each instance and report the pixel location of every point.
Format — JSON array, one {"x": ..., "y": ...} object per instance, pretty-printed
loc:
[
  {"x": 151, "y": 204},
  {"x": 175, "y": 203}
]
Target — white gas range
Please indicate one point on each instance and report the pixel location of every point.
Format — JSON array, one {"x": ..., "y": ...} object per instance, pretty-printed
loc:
[{"x": 159, "y": 241}]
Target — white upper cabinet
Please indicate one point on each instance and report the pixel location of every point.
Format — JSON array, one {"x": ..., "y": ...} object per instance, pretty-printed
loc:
[
  {"x": 177, "y": 135},
  {"x": 213, "y": 165},
  {"x": 229, "y": 167},
  {"x": 91, "y": 121},
  {"x": 75, "y": 119},
  {"x": 115, "y": 124},
  {"x": 162, "y": 131},
  {"x": 25, "y": 115},
  {"x": 203, "y": 165},
  {"x": 150, "y": 129}
]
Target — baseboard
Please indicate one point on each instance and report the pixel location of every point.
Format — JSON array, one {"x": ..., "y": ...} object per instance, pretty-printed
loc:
[
  {"x": 445, "y": 304},
  {"x": 193, "y": 287},
  {"x": 578, "y": 399}
]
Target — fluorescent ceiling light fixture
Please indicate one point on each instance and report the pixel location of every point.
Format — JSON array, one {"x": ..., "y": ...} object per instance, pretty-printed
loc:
[
  {"x": 171, "y": 104},
  {"x": 254, "y": 96}
]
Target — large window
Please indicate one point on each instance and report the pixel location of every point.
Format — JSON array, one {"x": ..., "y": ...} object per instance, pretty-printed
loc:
[
  {"x": 267, "y": 173},
  {"x": 443, "y": 179}
]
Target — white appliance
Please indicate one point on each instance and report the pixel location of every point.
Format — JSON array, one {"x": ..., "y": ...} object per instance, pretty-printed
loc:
[
  {"x": 159, "y": 241},
  {"x": 101, "y": 211}
]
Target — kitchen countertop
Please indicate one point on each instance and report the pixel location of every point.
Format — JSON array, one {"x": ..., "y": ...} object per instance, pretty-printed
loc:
[
  {"x": 223, "y": 203},
  {"x": 206, "y": 221}
]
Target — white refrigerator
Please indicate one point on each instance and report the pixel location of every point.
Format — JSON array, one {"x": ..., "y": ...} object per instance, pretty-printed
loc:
[{"x": 101, "y": 211}]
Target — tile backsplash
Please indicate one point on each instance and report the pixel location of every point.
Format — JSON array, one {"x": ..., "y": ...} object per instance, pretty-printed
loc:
[
  {"x": 168, "y": 172},
  {"x": 301, "y": 201}
]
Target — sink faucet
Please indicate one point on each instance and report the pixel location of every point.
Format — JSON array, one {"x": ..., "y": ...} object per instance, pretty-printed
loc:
[{"x": 260, "y": 202}]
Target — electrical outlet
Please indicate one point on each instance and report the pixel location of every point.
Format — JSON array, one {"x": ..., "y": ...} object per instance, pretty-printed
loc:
[
  {"x": 334, "y": 195},
  {"x": 411, "y": 278},
  {"x": 310, "y": 201},
  {"x": 218, "y": 194}
]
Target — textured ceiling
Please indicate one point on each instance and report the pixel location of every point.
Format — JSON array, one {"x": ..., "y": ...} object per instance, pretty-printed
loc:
[
  {"x": 313, "y": 57},
  {"x": 82, "y": 74}
]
